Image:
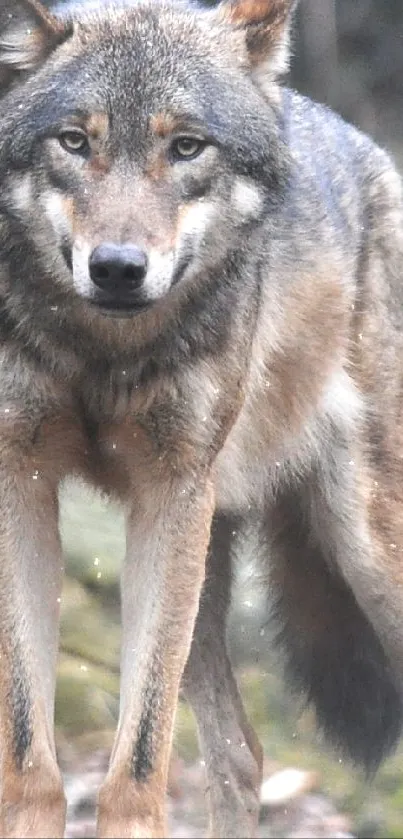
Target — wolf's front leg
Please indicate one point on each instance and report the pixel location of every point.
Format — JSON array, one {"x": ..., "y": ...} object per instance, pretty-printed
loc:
[
  {"x": 32, "y": 803},
  {"x": 168, "y": 535}
]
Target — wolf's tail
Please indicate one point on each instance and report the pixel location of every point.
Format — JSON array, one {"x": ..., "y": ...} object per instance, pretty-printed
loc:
[{"x": 333, "y": 654}]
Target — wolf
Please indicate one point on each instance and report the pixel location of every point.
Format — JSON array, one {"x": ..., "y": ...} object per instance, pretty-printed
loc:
[{"x": 200, "y": 315}]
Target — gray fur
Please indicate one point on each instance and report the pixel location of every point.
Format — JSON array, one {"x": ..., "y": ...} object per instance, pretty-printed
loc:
[{"x": 254, "y": 375}]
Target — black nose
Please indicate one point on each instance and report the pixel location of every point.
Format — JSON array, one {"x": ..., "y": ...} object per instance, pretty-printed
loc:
[{"x": 117, "y": 268}]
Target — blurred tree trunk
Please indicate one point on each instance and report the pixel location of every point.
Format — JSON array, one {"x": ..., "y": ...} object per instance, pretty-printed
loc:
[{"x": 319, "y": 61}]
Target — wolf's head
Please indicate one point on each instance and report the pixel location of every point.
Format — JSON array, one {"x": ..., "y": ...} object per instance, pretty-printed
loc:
[{"x": 140, "y": 144}]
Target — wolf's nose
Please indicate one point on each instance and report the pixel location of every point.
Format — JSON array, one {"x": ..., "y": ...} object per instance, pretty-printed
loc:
[{"x": 117, "y": 268}]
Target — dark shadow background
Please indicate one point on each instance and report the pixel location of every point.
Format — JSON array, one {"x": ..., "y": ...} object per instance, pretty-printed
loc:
[{"x": 349, "y": 54}]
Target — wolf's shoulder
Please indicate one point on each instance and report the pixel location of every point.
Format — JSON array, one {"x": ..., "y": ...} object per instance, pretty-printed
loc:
[{"x": 320, "y": 138}]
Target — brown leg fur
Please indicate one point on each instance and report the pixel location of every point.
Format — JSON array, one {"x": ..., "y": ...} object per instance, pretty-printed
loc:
[
  {"x": 232, "y": 751},
  {"x": 162, "y": 580},
  {"x": 31, "y": 795}
]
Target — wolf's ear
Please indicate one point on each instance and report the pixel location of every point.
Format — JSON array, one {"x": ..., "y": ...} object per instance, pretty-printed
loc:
[
  {"x": 266, "y": 27},
  {"x": 28, "y": 34}
]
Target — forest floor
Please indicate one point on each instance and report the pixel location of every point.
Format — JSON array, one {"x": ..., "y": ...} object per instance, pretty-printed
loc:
[{"x": 292, "y": 806}]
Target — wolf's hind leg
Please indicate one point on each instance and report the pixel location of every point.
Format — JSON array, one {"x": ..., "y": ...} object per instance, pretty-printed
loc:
[{"x": 232, "y": 752}]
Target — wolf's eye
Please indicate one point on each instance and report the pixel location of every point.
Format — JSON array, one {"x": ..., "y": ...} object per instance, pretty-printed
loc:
[
  {"x": 186, "y": 148},
  {"x": 73, "y": 140}
]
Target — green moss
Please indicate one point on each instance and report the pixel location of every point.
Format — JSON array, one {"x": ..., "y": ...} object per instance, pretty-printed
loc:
[
  {"x": 86, "y": 696},
  {"x": 87, "y": 631},
  {"x": 185, "y": 739}
]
